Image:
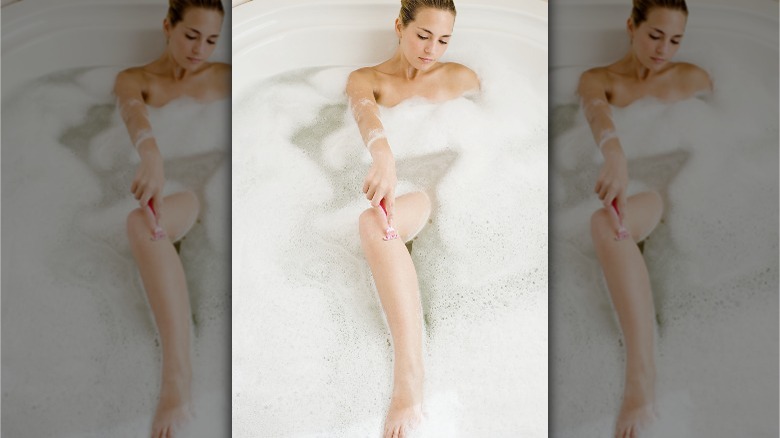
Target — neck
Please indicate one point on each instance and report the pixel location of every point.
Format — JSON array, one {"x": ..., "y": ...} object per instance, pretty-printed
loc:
[
  {"x": 639, "y": 71},
  {"x": 403, "y": 67},
  {"x": 171, "y": 68}
]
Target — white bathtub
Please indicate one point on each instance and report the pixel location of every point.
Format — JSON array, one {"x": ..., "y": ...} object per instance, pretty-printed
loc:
[
  {"x": 269, "y": 39},
  {"x": 718, "y": 319},
  {"x": 61, "y": 373},
  {"x": 280, "y": 362}
]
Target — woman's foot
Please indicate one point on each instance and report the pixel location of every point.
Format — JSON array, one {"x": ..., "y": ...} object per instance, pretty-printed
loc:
[
  {"x": 174, "y": 409},
  {"x": 405, "y": 412},
  {"x": 637, "y": 412}
]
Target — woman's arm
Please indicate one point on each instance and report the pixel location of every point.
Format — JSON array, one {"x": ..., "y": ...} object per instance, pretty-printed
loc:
[
  {"x": 381, "y": 179},
  {"x": 613, "y": 177},
  {"x": 149, "y": 178}
]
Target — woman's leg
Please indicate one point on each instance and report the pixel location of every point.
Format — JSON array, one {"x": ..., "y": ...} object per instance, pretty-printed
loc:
[
  {"x": 629, "y": 286},
  {"x": 396, "y": 281},
  {"x": 166, "y": 288}
]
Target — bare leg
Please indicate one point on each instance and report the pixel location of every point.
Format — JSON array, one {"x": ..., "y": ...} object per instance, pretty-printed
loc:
[
  {"x": 166, "y": 288},
  {"x": 629, "y": 286},
  {"x": 396, "y": 281}
]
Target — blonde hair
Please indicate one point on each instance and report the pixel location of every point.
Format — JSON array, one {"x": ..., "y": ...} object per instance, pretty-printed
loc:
[
  {"x": 177, "y": 8},
  {"x": 409, "y": 8},
  {"x": 643, "y": 7}
]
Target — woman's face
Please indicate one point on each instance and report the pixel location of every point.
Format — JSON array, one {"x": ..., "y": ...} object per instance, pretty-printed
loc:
[
  {"x": 657, "y": 39},
  {"x": 192, "y": 40},
  {"x": 424, "y": 40}
]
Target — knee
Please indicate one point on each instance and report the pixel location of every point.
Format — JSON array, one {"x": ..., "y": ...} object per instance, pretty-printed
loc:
[
  {"x": 137, "y": 224},
  {"x": 192, "y": 201},
  {"x": 369, "y": 223},
  {"x": 658, "y": 202},
  {"x": 601, "y": 225},
  {"x": 425, "y": 201}
]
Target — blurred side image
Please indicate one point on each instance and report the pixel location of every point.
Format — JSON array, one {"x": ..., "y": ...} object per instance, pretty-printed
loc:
[
  {"x": 664, "y": 206},
  {"x": 115, "y": 218}
]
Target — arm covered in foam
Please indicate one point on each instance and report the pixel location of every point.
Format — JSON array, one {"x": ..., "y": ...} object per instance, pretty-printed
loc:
[
  {"x": 381, "y": 179},
  {"x": 613, "y": 177},
  {"x": 149, "y": 178}
]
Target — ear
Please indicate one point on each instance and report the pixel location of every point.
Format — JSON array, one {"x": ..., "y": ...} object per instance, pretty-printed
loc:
[
  {"x": 630, "y": 28},
  {"x": 398, "y": 27},
  {"x": 167, "y": 28}
]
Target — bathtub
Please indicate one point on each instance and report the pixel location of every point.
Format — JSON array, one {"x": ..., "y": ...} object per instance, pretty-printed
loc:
[
  {"x": 60, "y": 371},
  {"x": 268, "y": 39},
  {"x": 283, "y": 336},
  {"x": 717, "y": 330}
]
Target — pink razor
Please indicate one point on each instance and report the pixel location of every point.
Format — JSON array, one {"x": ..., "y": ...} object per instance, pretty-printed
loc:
[
  {"x": 158, "y": 232},
  {"x": 390, "y": 232},
  {"x": 622, "y": 232}
]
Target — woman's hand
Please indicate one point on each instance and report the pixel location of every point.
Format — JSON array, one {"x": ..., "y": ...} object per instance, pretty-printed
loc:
[
  {"x": 613, "y": 178},
  {"x": 380, "y": 181},
  {"x": 149, "y": 179}
]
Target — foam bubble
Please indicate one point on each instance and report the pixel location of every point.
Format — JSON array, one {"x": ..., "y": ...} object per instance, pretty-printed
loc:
[{"x": 306, "y": 310}]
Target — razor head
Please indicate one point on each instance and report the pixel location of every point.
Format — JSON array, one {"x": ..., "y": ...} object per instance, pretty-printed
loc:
[{"x": 390, "y": 234}]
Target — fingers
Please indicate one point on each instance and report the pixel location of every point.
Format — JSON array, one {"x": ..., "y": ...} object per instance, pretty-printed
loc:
[
  {"x": 157, "y": 206},
  {"x": 621, "y": 205},
  {"x": 378, "y": 196},
  {"x": 390, "y": 207}
]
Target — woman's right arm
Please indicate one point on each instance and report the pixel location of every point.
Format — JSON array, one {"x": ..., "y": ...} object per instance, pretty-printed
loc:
[
  {"x": 149, "y": 178},
  {"x": 613, "y": 177},
  {"x": 381, "y": 179}
]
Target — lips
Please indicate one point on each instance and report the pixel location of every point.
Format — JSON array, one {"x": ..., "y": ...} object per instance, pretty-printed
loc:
[
  {"x": 657, "y": 60},
  {"x": 194, "y": 60},
  {"x": 425, "y": 60}
]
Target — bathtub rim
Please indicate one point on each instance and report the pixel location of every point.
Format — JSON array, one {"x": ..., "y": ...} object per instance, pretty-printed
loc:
[{"x": 259, "y": 28}]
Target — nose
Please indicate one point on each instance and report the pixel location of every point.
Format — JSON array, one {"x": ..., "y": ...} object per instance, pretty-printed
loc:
[
  {"x": 661, "y": 47},
  {"x": 198, "y": 47},
  {"x": 429, "y": 47}
]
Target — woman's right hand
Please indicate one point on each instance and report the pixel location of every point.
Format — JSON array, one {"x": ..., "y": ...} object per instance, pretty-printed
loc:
[
  {"x": 380, "y": 182},
  {"x": 149, "y": 180},
  {"x": 613, "y": 178}
]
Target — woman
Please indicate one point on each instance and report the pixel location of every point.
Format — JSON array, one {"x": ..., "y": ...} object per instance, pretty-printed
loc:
[
  {"x": 655, "y": 28},
  {"x": 423, "y": 29},
  {"x": 192, "y": 28}
]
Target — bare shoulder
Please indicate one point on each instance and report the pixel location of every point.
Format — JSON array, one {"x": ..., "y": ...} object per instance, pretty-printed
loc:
[
  {"x": 464, "y": 77},
  {"x": 597, "y": 76},
  {"x": 131, "y": 79},
  {"x": 360, "y": 79},
  {"x": 693, "y": 77},
  {"x": 594, "y": 81},
  {"x": 221, "y": 68}
]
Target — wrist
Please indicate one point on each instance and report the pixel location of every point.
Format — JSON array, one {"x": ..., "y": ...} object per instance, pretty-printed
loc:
[
  {"x": 612, "y": 150},
  {"x": 148, "y": 150},
  {"x": 380, "y": 150}
]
